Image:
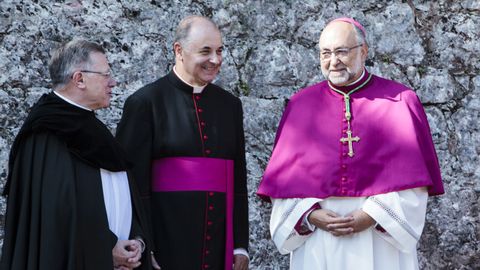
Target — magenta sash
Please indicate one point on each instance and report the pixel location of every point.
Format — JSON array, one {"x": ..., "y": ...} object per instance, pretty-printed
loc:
[{"x": 198, "y": 174}]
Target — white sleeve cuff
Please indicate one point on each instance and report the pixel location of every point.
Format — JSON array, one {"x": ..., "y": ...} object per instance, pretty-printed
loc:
[
  {"x": 307, "y": 223},
  {"x": 241, "y": 251}
]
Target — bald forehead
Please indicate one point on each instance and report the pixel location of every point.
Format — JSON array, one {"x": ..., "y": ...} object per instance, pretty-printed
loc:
[
  {"x": 196, "y": 20},
  {"x": 194, "y": 27},
  {"x": 202, "y": 24},
  {"x": 338, "y": 34}
]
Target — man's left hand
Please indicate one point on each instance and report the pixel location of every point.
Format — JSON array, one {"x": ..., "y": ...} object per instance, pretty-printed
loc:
[
  {"x": 361, "y": 220},
  {"x": 126, "y": 254},
  {"x": 240, "y": 262}
]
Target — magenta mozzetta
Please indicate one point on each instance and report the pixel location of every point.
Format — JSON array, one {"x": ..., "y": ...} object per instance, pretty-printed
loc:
[{"x": 388, "y": 120}]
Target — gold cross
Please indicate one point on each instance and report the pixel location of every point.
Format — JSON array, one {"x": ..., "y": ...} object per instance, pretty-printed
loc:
[{"x": 350, "y": 141}]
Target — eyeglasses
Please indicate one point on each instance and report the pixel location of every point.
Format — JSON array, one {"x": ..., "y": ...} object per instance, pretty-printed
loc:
[
  {"x": 105, "y": 74},
  {"x": 340, "y": 53}
]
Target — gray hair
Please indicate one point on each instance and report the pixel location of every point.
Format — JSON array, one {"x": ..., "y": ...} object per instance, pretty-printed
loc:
[
  {"x": 70, "y": 57},
  {"x": 184, "y": 27},
  {"x": 359, "y": 35}
]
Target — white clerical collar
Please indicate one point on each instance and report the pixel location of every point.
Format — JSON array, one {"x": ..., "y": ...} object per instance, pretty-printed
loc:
[
  {"x": 196, "y": 89},
  {"x": 71, "y": 102},
  {"x": 357, "y": 80}
]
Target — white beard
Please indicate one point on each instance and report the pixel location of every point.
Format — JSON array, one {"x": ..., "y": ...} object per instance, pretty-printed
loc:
[
  {"x": 346, "y": 75},
  {"x": 340, "y": 78}
]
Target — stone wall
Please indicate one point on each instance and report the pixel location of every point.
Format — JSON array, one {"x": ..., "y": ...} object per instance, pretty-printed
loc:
[{"x": 271, "y": 52}]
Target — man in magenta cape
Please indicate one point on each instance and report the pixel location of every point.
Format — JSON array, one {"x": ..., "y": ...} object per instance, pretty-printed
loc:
[{"x": 352, "y": 167}]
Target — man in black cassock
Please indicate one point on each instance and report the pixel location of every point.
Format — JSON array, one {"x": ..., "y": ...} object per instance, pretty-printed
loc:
[
  {"x": 186, "y": 137},
  {"x": 70, "y": 202}
]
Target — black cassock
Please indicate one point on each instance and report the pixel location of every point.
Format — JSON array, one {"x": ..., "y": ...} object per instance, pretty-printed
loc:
[
  {"x": 56, "y": 217},
  {"x": 166, "y": 119}
]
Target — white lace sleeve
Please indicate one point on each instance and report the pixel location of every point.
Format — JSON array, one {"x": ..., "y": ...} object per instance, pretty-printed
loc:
[
  {"x": 286, "y": 213},
  {"x": 401, "y": 214}
]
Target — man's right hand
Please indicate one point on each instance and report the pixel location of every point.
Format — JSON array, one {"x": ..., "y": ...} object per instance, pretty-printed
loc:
[{"x": 331, "y": 222}]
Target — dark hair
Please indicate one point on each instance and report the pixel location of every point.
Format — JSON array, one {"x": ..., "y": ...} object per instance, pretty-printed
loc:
[{"x": 69, "y": 57}]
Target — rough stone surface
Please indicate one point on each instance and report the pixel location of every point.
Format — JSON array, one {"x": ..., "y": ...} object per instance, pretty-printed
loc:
[{"x": 271, "y": 52}]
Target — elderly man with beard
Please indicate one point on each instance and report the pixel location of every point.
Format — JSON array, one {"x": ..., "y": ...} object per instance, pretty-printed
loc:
[
  {"x": 186, "y": 138},
  {"x": 352, "y": 166}
]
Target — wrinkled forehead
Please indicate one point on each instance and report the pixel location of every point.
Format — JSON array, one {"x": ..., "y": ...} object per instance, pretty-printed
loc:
[{"x": 338, "y": 34}]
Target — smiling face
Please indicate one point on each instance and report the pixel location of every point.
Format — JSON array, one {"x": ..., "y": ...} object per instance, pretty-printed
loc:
[
  {"x": 97, "y": 88},
  {"x": 198, "y": 59},
  {"x": 347, "y": 69}
]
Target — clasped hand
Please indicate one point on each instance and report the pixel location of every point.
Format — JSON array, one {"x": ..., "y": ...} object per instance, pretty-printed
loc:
[
  {"x": 127, "y": 254},
  {"x": 337, "y": 225}
]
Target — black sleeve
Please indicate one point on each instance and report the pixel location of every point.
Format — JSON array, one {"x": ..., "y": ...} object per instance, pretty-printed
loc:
[
  {"x": 135, "y": 134},
  {"x": 45, "y": 227},
  {"x": 140, "y": 226},
  {"x": 240, "y": 218}
]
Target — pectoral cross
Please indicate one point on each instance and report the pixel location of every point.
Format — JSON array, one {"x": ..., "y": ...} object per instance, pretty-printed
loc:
[
  {"x": 348, "y": 114},
  {"x": 350, "y": 141}
]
